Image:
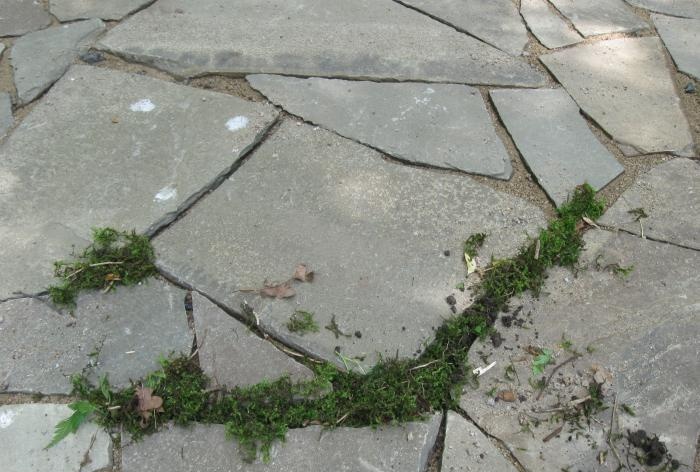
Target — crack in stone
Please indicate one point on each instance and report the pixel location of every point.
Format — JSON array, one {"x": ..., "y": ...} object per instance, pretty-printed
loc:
[{"x": 614, "y": 229}]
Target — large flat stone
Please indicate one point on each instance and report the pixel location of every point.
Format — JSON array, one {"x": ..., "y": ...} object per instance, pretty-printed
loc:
[
  {"x": 440, "y": 125},
  {"x": 6, "y": 118},
  {"x": 39, "y": 59},
  {"x": 670, "y": 197},
  {"x": 68, "y": 10},
  {"x": 104, "y": 148},
  {"x": 681, "y": 37},
  {"x": 682, "y": 8},
  {"x": 555, "y": 140},
  {"x": 374, "y": 231},
  {"x": 25, "y": 430},
  {"x": 495, "y": 22},
  {"x": 628, "y": 92},
  {"x": 119, "y": 334},
  {"x": 362, "y": 39},
  {"x": 22, "y": 16},
  {"x": 642, "y": 328},
  {"x": 544, "y": 23},
  {"x": 400, "y": 448},
  {"x": 594, "y": 17}
]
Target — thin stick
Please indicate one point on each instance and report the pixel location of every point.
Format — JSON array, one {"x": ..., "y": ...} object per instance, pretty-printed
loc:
[
  {"x": 553, "y": 434},
  {"x": 105, "y": 263},
  {"x": 422, "y": 366},
  {"x": 570, "y": 359}
]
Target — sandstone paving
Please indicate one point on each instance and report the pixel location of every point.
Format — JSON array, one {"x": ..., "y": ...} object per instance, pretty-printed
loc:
[
  {"x": 625, "y": 86},
  {"x": 443, "y": 125},
  {"x": 22, "y": 16},
  {"x": 68, "y": 10},
  {"x": 362, "y": 39},
  {"x": 680, "y": 8},
  {"x": 681, "y": 37},
  {"x": 594, "y": 17},
  {"x": 551, "y": 30},
  {"x": 6, "y": 118}
]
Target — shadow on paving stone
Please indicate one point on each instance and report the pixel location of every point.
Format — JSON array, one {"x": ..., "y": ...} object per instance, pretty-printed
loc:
[
  {"x": 68, "y": 10},
  {"x": 682, "y": 8},
  {"x": 594, "y": 17}
]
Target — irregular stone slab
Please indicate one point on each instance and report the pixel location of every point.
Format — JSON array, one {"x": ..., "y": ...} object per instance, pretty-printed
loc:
[
  {"x": 440, "y": 125},
  {"x": 120, "y": 334},
  {"x": 374, "y": 231},
  {"x": 405, "y": 448},
  {"x": 68, "y": 10},
  {"x": 2, "y": 48},
  {"x": 681, "y": 37},
  {"x": 104, "y": 148},
  {"x": 468, "y": 449},
  {"x": 629, "y": 93},
  {"x": 555, "y": 140},
  {"x": 6, "y": 118},
  {"x": 362, "y": 39},
  {"x": 233, "y": 356},
  {"x": 683, "y": 8},
  {"x": 22, "y": 16},
  {"x": 495, "y": 22},
  {"x": 550, "y": 30},
  {"x": 594, "y": 17},
  {"x": 669, "y": 194},
  {"x": 642, "y": 328},
  {"x": 39, "y": 59},
  {"x": 25, "y": 430}
]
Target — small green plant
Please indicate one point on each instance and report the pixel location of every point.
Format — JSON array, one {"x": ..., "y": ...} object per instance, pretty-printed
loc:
[
  {"x": 623, "y": 272},
  {"x": 81, "y": 411},
  {"x": 473, "y": 243},
  {"x": 638, "y": 213},
  {"x": 545, "y": 358},
  {"x": 302, "y": 322}
]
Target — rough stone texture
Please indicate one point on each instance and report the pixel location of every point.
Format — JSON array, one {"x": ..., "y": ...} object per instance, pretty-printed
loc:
[
  {"x": 2, "y": 48},
  {"x": 555, "y": 140},
  {"x": 233, "y": 356},
  {"x": 25, "y": 430},
  {"x": 129, "y": 329},
  {"x": 683, "y": 8},
  {"x": 440, "y": 125},
  {"x": 546, "y": 25},
  {"x": 495, "y": 22},
  {"x": 22, "y": 16},
  {"x": 362, "y": 39},
  {"x": 468, "y": 450},
  {"x": 643, "y": 329},
  {"x": 91, "y": 154},
  {"x": 594, "y": 17},
  {"x": 373, "y": 230},
  {"x": 39, "y": 59},
  {"x": 681, "y": 36},
  {"x": 626, "y": 87},
  {"x": 68, "y": 10},
  {"x": 670, "y": 196},
  {"x": 6, "y": 118},
  {"x": 401, "y": 448}
]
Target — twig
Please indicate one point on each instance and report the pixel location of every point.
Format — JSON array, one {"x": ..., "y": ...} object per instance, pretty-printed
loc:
[
  {"x": 612, "y": 418},
  {"x": 554, "y": 371},
  {"x": 342, "y": 418},
  {"x": 537, "y": 249},
  {"x": 105, "y": 263},
  {"x": 553, "y": 434},
  {"x": 422, "y": 366}
]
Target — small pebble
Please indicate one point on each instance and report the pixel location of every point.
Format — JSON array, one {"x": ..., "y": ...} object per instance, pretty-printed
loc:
[
  {"x": 451, "y": 300},
  {"x": 690, "y": 87},
  {"x": 92, "y": 57}
]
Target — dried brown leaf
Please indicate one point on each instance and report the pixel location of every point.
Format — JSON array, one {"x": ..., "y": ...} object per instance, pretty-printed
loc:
[
  {"x": 283, "y": 290},
  {"x": 148, "y": 403},
  {"x": 507, "y": 395},
  {"x": 303, "y": 274}
]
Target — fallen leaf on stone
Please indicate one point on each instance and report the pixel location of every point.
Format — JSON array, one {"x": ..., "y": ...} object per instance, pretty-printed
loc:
[
  {"x": 590, "y": 222},
  {"x": 471, "y": 263},
  {"x": 507, "y": 395},
  {"x": 283, "y": 290},
  {"x": 148, "y": 403},
  {"x": 303, "y": 274}
]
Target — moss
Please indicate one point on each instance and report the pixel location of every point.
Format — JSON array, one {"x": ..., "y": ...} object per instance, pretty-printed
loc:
[{"x": 302, "y": 322}]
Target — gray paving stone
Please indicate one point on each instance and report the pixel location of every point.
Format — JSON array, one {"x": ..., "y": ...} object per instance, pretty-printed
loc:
[
  {"x": 233, "y": 356},
  {"x": 39, "y": 59},
  {"x": 68, "y": 10},
  {"x": 129, "y": 329},
  {"x": 546, "y": 25},
  {"x": 441, "y": 125},
  {"x": 670, "y": 196},
  {"x": 374, "y": 231},
  {"x": 594, "y": 17},
  {"x": 682, "y": 8},
  {"x": 6, "y": 118},
  {"x": 2, "y": 48},
  {"x": 629, "y": 93},
  {"x": 25, "y": 430},
  {"x": 363, "y": 39},
  {"x": 555, "y": 140},
  {"x": 22, "y": 16},
  {"x": 400, "y": 448},
  {"x": 496, "y": 22},
  {"x": 643, "y": 330},
  {"x": 681, "y": 37},
  {"x": 104, "y": 148}
]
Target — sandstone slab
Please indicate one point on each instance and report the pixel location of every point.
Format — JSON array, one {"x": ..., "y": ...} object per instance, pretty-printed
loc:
[
  {"x": 69, "y": 10},
  {"x": 39, "y": 59},
  {"x": 6, "y": 118},
  {"x": 441, "y": 125},
  {"x": 22, "y": 16},
  {"x": 104, "y": 148},
  {"x": 628, "y": 92},
  {"x": 25, "y": 430},
  {"x": 555, "y": 140},
  {"x": 682, "y": 8},
  {"x": 400, "y": 448},
  {"x": 544, "y": 23},
  {"x": 681, "y": 37},
  {"x": 119, "y": 334},
  {"x": 363, "y": 39},
  {"x": 594, "y": 17}
]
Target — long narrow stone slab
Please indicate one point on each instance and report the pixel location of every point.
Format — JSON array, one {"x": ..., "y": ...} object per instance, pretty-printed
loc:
[
  {"x": 495, "y": 22},
  {"x": 555, "y": 140},
  {"x": 104, "y": 148},
  {"x": 594, "y": 17},
  {"x": 69, "y": 10},
  {"x": 22, "y": 16},
  {"x": 6, "y": 118},
  {"x": 629, "y": 93},
  {"x": 681, "y": 37},
  {"x": 39, "y": 59},
  {"x": 550, "y": 30},
  {"x": 120, "y": 334},
  {"x": 375, "y": 232},
  {"x": 362, "y": 39},
  {"x": 400, "y": 448},
  {"x": 682, "y": 8},
  {"x": 25, "y": 430},
  {"x": 440, "y": 125}
]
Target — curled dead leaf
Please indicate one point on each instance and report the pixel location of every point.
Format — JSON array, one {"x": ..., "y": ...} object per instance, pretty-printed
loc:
[
  {"x": 507, "y": 395},
  {"x": 112, "y": 277},
  {"x": 148, "y": 403},
  {"x": 283, "y": 290},
  {"x": 303, "y": 274}
]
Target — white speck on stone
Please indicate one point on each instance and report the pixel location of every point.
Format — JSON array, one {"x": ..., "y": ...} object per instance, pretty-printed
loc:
[
  {"x": 236, "y": 123},
  {"x": 6, "y": 418},
  {"x": 144, "y": 105},
  {"x": 165, "y": 194},
  {"x": 429, "y": 91},
  {"x": 127, "y": 331}
]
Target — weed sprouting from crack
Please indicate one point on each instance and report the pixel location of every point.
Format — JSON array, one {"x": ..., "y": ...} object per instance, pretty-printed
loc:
[{"x": 302, "y": 322}]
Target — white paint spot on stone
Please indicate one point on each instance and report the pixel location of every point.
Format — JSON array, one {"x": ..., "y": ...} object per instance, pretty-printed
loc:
[
  {"x": 236, "y": 123},
  {"x": 165, "y": 194},
  {"x": 6, "y": 418},
  {"x": 144, "y": 105}
]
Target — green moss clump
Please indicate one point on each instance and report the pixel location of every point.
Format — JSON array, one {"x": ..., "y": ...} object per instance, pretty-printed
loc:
[{"x": 302, "y": 322}]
